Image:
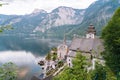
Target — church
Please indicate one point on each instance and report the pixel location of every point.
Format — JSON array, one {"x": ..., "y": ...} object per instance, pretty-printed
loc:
[{"x": 89, "y": 46}]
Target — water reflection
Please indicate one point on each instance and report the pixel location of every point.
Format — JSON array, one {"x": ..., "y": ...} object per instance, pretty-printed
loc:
[
  {"x": 26, "y": 62},
  {"x": 25, "y": 53},
  {"x": 22, "y": 43},
  {"x": 18, "y": 57}
]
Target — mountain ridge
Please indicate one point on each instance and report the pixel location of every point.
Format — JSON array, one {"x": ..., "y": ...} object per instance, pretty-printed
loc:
[{"x": 65, "y": 19}]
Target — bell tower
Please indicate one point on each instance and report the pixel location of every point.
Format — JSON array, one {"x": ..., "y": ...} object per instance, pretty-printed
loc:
[{"x": 91, "y": 32}]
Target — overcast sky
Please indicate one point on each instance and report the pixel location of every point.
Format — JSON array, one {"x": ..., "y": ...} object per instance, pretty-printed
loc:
[{"x": 21, "y": 7}]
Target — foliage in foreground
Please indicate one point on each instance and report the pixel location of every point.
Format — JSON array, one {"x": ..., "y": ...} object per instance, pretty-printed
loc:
[
  {"x": 8, "y": 71},
  {"x": 111, "y": 36},
  {"x": 102, "y": 73},
  {"x": 77, "y": 72}
]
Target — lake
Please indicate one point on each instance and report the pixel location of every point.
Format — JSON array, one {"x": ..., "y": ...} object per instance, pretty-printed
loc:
[{"x": 25, "y": 52}]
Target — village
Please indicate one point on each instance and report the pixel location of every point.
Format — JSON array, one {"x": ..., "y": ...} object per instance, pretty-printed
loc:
[{"x": 90, "y": 46}]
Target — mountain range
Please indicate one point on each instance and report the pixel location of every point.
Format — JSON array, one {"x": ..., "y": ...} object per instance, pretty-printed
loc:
[{"x": 62, "y": 20}]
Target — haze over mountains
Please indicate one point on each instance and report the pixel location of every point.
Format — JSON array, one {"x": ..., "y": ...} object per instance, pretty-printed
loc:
[{"x": 62, "y": 20}]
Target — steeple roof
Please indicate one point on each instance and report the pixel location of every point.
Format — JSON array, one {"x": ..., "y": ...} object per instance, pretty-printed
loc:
[
  {"x": 64, "y": 40},
  {"x": 91, "y": 29}
]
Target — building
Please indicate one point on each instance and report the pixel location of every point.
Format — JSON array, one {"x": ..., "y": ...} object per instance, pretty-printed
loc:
[
  {"x": 90, "y": 46},
  {"x": 62, "y": 50}
]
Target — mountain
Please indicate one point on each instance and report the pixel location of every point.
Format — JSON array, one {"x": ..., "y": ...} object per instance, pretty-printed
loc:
[
  {"x": 40, "y": 20},
  {"x": 62, "y": 20},
  {"x": 99, "y": 13},
  {"x": 5, "y": 18},
  {"x": 61, "y": 16}
]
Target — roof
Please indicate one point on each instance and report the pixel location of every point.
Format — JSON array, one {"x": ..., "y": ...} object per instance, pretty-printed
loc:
[
  {"x": 72, "y": 54},
  {"x": 91, "y": 29},
  {"x": 87, "y": 45}
]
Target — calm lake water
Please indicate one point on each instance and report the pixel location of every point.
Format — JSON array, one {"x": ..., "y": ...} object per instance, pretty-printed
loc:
[{"x": 25, "y": 52}]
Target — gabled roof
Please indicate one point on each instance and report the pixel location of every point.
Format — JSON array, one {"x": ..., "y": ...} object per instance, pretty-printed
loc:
[{"x": 87, "y": 45}]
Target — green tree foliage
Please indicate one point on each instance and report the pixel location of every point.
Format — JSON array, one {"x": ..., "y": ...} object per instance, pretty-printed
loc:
[
  {"x": 111, "y": 33},
  {"x": 77, "y": 72},
  {"x": 111, "y": 36},
  {"x": 1, "y": 4},
  {"x": 54, "y": 56},
  {"x": 8, "y": 71},
  {"x": 60, "y": 63},
  {"x": 54, "y": 49},
  {"x": 7, "y": 27},
  {"x": 48, "y": 57},
  {"x": 102, "y": 73}
]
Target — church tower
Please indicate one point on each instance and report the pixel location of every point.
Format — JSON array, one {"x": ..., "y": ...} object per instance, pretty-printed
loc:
[
  {"x": 62, "y": 49},
  {"x": 91, "y": 32},
  {"x": 64, "y": 40}
]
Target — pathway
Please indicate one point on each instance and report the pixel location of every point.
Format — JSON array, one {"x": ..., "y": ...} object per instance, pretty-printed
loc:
[{"x": 60, "y": 69}]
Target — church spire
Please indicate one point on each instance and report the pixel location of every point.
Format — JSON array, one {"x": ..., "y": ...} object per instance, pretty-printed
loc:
[{"x": 64, "y": 40}]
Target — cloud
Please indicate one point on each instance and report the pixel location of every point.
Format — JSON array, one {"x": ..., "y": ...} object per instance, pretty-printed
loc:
[
  {"x": 15, "y": 0},
  {"x": 27, "y": 6}
]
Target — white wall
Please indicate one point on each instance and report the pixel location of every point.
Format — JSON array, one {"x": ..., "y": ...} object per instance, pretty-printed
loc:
[
  {"x": 69, "y": 61},
  {"x": 90, "y": 35}
]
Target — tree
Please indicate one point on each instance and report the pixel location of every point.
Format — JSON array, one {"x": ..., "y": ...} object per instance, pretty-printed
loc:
[
  {"x": 77, "y": 72},
  {"x": 102, "y": 73},
  {"x": 8, "y": 71},
  {"x": 79, "y": 64},
  {"x": 111, "y": 36},
  {"x": 7, "y": 27},
  {"x": 1, "y": 4},
  {"x": 54, "y": 57},
  {"x": 111, "y": 32},
  {"x": 60, "y": 63},
  {"x": 48, "y": 57}
]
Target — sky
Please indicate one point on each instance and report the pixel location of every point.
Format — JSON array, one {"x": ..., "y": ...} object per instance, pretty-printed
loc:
[{"x": 21, "y": 7}]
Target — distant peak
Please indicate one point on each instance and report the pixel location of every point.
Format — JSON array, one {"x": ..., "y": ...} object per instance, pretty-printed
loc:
[
  {"x": 61, "y": 8},
  {"x": 39, "y": 11},
  {"x": 64, "y": 7}
]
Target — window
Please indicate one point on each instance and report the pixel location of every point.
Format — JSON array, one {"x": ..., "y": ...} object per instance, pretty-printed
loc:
[{"x": 69, "y": 64}]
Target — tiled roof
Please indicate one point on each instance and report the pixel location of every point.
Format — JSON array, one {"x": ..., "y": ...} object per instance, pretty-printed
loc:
[
  {"x": 87, "y": 44},
  {"x": 72, "y": 54}
]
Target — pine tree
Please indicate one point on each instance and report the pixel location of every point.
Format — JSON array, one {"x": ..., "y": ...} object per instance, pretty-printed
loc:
[
  {"x": 111, "y": 36},
  {"x": 48, "y": 57},
  {"x": 111, "y": 33},
  {"x": 77, "y": 72}
]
